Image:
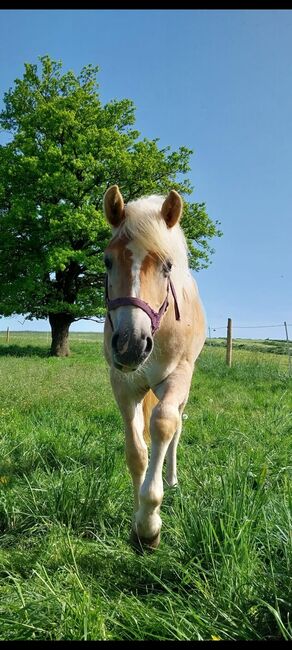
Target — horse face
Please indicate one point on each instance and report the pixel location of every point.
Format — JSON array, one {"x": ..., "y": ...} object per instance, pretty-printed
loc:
[
  {"x": 133, "y": 272},
  {"x": 136, "y": 273}
]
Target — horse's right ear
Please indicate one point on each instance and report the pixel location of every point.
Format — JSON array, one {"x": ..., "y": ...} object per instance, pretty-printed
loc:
[{"x": 113, "y": 204}]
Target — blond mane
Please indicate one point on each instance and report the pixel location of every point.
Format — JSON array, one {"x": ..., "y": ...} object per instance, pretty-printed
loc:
[{"x": 145, "y": 224}]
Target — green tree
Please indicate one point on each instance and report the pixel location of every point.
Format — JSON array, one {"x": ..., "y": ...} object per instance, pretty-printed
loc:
[{"x": 65, "y": 148}]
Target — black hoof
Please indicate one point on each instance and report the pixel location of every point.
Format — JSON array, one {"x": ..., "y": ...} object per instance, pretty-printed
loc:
[{"x": 142, "y": 544}]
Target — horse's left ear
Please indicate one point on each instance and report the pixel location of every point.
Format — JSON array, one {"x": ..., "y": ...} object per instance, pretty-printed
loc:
[
  {"x": 113, "y": 204},
  {"x": 172, "y": 208}
]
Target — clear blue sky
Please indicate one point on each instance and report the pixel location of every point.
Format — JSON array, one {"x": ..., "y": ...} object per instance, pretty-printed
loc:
[{"x": 220, "y": 83}]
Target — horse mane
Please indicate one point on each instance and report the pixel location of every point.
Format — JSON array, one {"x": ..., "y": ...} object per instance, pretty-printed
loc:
[{"x": 145, "y": 224}]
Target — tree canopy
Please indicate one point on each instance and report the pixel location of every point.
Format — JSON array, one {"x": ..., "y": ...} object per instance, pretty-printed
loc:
[{"x": 65, "y": 148}]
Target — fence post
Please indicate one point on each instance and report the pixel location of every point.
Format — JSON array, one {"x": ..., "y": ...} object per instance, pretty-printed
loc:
[
  {"x": 229, "y": 343},
  {"x": 289, "y": 357},
  {"x": 7, "y": 335}
]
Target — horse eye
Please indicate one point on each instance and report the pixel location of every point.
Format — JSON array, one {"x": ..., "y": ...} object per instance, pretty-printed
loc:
[
  {"x": 167, "y": 266},
  {"x": 108, "y": 263}
]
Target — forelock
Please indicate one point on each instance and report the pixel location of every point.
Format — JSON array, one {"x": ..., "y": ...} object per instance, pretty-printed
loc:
[{"x": 144, "y": 223}]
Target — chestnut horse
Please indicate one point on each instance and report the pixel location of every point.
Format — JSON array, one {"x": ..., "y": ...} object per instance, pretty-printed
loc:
[{"x": 154, "y": 331}]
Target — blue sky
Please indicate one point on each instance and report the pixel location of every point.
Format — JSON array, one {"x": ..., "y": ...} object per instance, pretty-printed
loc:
[{"x": 220, "y": 83}]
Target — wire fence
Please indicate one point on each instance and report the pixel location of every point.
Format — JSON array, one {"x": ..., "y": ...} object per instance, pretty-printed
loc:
[
  {"x": 277, "y": 346},
  {"x": 249, "y": 327},
  {"x": 284, "y": 343}
]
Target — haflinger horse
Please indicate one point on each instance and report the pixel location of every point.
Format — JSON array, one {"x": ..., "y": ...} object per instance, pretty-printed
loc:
[{"x": 154, "y": 331}]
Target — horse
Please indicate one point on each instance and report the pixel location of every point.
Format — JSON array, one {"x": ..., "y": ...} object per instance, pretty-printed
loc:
[{"x": 154, "y": 331}]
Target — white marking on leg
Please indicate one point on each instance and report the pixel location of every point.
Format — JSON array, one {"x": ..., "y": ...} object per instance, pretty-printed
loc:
[
  {"x": 136, "y": 452},
  {"x": 171, "y": 458}
]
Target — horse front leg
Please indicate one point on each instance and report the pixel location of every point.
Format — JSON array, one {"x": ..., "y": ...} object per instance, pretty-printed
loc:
[
  {"x": 136, "y": 451},
  {"x": 171, "y": 455},
  {"x": 165, "y": 423}
]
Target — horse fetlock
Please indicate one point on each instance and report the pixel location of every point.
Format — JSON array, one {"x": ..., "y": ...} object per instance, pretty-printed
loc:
[
  {"x": 171, "y": 480},
  {"x": 147, "y": 528},
  {"x": 151, "y": 497}
]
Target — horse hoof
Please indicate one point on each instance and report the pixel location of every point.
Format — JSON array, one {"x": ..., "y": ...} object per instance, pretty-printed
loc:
[{"x": 142, "y": 544}]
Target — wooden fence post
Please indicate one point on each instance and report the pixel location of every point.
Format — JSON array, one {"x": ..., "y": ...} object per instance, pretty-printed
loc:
[
  {"x": 7, "y": 335},
  {"x": 289, "y": 357},
  {"x": 229, "y": 343}
]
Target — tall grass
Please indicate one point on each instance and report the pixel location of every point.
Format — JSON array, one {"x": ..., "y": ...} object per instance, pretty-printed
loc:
[{"x": 223, "y": 569}]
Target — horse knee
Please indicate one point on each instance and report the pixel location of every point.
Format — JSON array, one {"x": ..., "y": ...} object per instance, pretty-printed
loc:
[
  {"x": 164, "y": 422},
  {"x": 136, "y": 459}
]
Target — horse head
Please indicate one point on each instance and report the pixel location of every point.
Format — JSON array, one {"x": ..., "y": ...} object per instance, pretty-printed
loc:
[{"x": 138, "y": 274}]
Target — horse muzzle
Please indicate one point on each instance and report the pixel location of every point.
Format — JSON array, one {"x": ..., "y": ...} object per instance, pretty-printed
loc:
[{"x": 130, "y": 351}]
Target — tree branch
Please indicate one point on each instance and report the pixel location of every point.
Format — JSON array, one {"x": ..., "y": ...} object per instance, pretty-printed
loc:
[{"x": 100, "y": 320}]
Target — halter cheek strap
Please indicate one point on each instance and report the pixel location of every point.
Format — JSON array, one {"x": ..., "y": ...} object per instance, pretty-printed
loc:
[{"x": 154, "y": 316}]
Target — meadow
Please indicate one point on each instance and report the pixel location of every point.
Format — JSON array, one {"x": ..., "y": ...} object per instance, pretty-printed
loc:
[{"x": 67, "y": 571}]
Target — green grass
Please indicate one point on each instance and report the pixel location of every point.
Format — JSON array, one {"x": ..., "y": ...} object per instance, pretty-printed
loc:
[{"x": 223, "y": 568}]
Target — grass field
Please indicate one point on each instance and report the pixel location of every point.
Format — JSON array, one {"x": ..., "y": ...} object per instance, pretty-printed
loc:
[{"x": 223, "y": 569}]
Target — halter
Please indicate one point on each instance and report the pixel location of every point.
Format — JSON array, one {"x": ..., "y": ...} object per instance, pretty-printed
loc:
[{"x": 155, "y": 316}]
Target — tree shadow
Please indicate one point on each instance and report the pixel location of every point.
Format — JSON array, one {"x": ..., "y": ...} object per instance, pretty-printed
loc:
[{"x": 24, "y": 351}]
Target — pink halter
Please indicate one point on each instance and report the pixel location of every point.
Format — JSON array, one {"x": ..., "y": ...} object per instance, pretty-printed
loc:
[{"x": 154, "y": 316}]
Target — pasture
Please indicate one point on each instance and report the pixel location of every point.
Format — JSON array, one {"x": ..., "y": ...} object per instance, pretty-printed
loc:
[{"x": 223, "y": 569}]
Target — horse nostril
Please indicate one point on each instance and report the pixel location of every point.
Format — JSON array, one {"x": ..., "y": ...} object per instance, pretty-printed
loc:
[
  {"x": 115, "y": 339},
  {"x": 149, "y": 345}
]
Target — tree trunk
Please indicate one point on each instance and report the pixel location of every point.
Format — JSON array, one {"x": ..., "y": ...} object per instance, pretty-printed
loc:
[{"x": 60, "y": 324}]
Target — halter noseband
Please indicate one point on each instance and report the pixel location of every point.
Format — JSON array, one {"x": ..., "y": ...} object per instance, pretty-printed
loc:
[{"x": 155, "y": 316}]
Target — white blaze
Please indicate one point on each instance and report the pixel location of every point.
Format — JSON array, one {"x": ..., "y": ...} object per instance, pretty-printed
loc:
[
  {"x": 140, "y": 320},
  {"x": 138, "y": 255}
]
